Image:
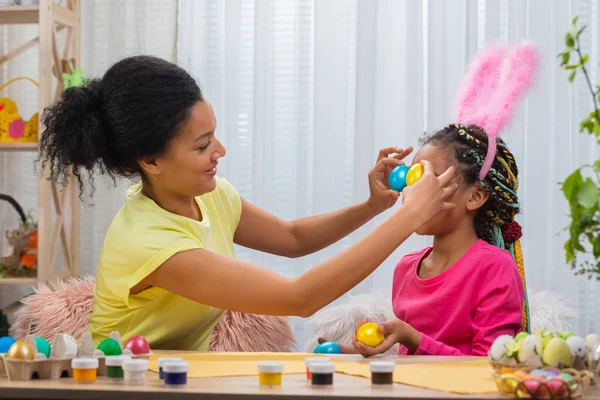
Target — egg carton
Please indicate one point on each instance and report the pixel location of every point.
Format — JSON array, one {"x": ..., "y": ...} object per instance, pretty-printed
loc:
[{"x": 64, "y": 349}]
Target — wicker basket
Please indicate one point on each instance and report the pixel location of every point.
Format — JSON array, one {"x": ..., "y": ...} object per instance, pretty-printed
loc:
[{"x": 516, "y": 382}]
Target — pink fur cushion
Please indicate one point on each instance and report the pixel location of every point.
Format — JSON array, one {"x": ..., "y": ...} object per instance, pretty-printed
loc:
[{"x": 66, "y": 307}]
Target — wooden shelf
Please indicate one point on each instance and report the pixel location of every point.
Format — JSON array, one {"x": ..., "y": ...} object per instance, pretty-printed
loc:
[
  {"x": 18, "y": 281},
  {"x": 19, "y": 146},
  {"x": 58, "y": 207},
  {"x": 19, "y": 14}
]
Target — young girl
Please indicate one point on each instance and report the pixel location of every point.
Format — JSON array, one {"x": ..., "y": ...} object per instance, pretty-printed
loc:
[{"x": 456, "y": 297}]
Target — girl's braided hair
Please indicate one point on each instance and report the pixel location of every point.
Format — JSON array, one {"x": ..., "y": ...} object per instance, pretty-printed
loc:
[{"x": 469, "y": 146}]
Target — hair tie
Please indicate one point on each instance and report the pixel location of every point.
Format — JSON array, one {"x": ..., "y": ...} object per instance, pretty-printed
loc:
[{"x": 512, "y": 232}]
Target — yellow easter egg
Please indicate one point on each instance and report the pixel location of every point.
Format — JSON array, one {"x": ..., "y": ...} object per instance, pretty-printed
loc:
[
  {"x": 414, "y": 174},
  {"x": 507, "y": 383},
  {"x": 369, "y": 334},
  {"x": 20, "y": 350}
]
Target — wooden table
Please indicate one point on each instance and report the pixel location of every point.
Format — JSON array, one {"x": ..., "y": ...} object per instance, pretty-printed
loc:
[{"x": 237, "y": 388}]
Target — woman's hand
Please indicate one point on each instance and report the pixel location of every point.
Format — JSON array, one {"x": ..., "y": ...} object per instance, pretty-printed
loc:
[
  {"x": 382, "y": 197},
  {"x": 430, "y": 194}
]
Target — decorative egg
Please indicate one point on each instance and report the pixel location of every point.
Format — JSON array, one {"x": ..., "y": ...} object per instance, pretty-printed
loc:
[
  {"x": 558, "y": 387},
  {"x": 577, "y": 346},
  {"x": 138, "y": 345},
  {"x": 521, "y": 374},
  {"x": 592, "y": 340},
  {"x": 499, "y": 349},
  {"x": 507, "y": 383},
  {"x": 530, "y": 351},
  {"x": 110, "y": 347},
  {"x": 369, "y": 334},
  {"x": 557, "y": 353},
  {"x": 5, "y": 343},
  {"x": 328, "y": 348},
  {"x": 70, "y": 344},
  {"x": 414, "y": 174},
  {"x": 570, "y": 380},
  {"x": 20, "y": 350},
  {"x": 536, "y": 388},
  {"x": 540, "y": 372},
  {"x": 397, "y": 178},
  {"x": 43, "y": 346}
]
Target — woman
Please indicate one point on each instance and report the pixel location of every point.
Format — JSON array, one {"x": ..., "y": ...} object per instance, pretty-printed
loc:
[{"x": 168, "y": 268}]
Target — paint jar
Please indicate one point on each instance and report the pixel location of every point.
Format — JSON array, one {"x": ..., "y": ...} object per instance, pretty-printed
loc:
[
  {"x": 135, "y": 371},
  {"x": 114, "y": 367},
  {"x": 310, "y": 360},
  {"x": 322, "y": 373},
  {"x": 85, "y": 370},
  {"x": 382, "y": 372},
  {"x": 163, "y": 360},
  {"x": 269, "y": 374},
  {"x": 175, "y": 373}
]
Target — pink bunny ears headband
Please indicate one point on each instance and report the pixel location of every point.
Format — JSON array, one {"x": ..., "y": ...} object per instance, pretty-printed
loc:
[{"x": 496, "y": 79}]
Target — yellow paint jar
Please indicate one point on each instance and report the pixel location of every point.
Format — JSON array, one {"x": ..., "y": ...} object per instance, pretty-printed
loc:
[
  {"x": 269, "y": 374},
  {"x": 84, "y": 369}
]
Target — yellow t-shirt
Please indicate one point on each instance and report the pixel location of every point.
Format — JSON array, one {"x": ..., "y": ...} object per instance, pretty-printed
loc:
[{"x": 141, "y": 237}]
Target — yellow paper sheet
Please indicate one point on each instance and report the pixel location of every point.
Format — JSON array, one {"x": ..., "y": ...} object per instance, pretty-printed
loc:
[{"x": 466, "y": 377}]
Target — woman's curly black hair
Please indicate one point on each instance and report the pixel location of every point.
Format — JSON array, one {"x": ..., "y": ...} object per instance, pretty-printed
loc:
[
  {"x": 468, "y": 146},
  {"x": 110, "y": 124}
]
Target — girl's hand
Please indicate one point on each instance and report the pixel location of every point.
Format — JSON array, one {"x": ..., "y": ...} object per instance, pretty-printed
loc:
[
  {"x": 392, "y": 331},
  {"x": 382, "y": 197}
]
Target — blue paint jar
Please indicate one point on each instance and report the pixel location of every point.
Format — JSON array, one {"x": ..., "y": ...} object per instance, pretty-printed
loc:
[
  {"x": 175, "y": 373},
  {"x": 163, "y": 360}
]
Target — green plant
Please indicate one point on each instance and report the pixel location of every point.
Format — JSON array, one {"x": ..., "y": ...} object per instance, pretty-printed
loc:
[{"x": 582, "y": 187}]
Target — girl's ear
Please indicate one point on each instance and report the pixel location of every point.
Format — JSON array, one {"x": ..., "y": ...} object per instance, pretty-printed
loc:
[{"x": 478, "y": 198}]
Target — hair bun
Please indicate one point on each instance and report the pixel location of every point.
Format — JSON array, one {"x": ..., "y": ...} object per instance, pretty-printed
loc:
[{"x": 73, "y": 131}]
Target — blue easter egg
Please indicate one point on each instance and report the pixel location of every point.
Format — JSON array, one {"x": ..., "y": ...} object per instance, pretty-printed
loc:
[
  {"x": 328, "y": 348},
  {"x": 539, "y": 372},
  {"x": 397, "y": 178},
  {"x": 5, "y": 343}
]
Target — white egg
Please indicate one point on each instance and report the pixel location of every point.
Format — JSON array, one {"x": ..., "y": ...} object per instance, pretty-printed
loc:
[
  {"x": 498, "y": 348},
  {"x": 577, "y": 346},
  {"x": 71, "y": 345},
  {"x": 592, "y": 340},
  {"x": 531, "y": 351}
]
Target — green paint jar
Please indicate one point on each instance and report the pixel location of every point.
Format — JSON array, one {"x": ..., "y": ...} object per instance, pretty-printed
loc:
[{"x": 114, "y": 367}]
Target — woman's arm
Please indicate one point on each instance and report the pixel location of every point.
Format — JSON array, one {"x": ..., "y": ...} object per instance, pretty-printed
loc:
[
  {"x": 235, "y": 285},
  {"x": 260, "y": 230}
]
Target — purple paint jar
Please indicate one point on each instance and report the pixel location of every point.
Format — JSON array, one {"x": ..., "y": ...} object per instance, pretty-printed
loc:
[
  {"x": 161, "y": 361},
  {"x": 175, "y": 373}
]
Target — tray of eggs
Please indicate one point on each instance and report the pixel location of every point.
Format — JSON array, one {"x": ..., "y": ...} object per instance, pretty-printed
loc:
[
  {"x": 542, "y": 383},
  {"x": 35, "y": 358}
]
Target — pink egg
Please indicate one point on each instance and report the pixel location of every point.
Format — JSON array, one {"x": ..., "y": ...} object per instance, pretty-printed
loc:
[
  {"x": 138, "y": 345},
  {"x": 536, "y": 388},
  {"x": 558, "y": 387}
]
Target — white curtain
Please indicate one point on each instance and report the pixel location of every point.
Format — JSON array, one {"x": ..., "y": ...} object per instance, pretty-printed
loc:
[
  {"x": 307, "y": 91},
  {"x": 111, "y": 29}
]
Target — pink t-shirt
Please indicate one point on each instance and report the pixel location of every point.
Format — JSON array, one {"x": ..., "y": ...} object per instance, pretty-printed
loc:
[{"x": 465, "y": 308}]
